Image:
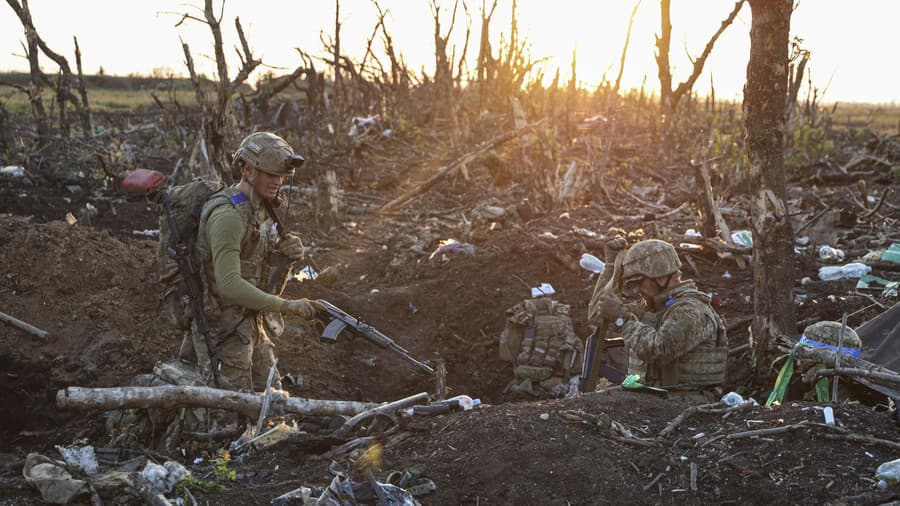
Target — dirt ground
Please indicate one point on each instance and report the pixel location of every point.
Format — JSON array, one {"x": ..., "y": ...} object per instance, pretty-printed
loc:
[{"x": 93, "y": 286}]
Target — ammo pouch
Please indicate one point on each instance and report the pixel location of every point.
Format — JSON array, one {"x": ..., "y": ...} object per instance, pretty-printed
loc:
[{"x": 540, "y": 341}]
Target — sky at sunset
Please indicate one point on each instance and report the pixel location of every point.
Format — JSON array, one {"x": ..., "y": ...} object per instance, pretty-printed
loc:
[{"x": 853, "y": 44}]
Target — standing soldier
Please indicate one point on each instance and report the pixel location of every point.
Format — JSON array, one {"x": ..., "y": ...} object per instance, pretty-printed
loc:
[
  {"x": 236, "y": 241},
  {"x": 673, "y": 337}
]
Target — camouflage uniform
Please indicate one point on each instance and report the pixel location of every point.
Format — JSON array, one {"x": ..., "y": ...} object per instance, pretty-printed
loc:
[
  {"x": 241, "y": 333},
  {"x": 243, "y": 345},
  {"x": 680, "y": 339}
]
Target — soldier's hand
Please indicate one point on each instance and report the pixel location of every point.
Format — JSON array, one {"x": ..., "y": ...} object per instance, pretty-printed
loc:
[
  {"x": 306, "y": 309},
  {"x": 610, "y": 307},
  {"x": 292, "y": 247}
]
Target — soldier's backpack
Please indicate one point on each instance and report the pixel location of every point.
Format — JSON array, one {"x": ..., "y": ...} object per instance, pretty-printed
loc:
[
  {"x": 186, "y": 202},
  {"x": 541, "y": 343}
]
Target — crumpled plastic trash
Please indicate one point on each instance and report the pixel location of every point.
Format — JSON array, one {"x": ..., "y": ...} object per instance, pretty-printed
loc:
[
  {"x": 360, "y": 123},
  {"x": 742, "y": 238},
  {"x": 692, "y": 233},
  {"x": 52, "y": 479},
  {"x": 13, "y": 171},
  {"x": 453, "y": 246},
  {"x": 80, "y": 458},
  {"x": 632, "y": 382},
  {"x": 733, "y": 399},
  {"x": 540, "y": 291},
  {"x": 344, "y": 492},
  {"x": 164, "y": 477}
]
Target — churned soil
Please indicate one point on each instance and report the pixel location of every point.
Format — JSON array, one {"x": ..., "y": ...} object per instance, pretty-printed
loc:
[{"x": 92, "y": 285}]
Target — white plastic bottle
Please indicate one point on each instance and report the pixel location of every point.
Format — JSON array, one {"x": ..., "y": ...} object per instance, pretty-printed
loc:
[
  {"x": 465, "y": 402},
  {"x": 591, "y": 263},
  {"x": 851, "y": 270}
]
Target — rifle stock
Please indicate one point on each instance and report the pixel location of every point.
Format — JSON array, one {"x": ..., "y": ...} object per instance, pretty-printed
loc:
[
  {"x": 339, "y": 322},
  {"x": 279, "y": 264},
  {"x": 190, "y": 277},
  {"x": 597, "y": 343}
]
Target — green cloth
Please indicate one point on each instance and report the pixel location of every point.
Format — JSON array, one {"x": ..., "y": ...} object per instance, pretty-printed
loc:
[
  {"x": 224, "y": 230},
  {"x": 892, "y": 254}
]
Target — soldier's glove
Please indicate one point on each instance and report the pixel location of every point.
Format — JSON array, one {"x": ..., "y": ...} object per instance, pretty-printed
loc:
[
  {"x": 306, "y": 309},
  {"x": 610, "y": 308},
  {"x": 292, "y": 247}
]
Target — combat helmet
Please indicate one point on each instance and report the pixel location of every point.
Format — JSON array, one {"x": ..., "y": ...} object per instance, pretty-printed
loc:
[
  {"x": 827, "y": 335},
  {"x": 651, "y": 258},
  {"x": 269, "y": 153}
]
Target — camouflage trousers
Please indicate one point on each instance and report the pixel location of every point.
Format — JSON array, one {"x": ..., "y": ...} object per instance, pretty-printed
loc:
[{"x": 246, "y": 356}]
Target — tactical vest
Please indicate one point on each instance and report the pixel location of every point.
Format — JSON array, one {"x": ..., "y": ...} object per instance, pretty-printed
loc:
[
  {"x": 705, "y": 364},
  {"x": 541, "y": 342},
  {"x": 259, "y": 240}
]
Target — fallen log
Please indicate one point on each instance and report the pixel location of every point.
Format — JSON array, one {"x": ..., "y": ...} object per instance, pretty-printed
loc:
[
  {"x": 172, "y": 397},
  {"x": 452, "y": 166}
]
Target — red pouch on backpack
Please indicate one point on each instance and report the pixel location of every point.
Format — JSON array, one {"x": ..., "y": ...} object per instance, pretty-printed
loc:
[{"x": 143, "y": 181}]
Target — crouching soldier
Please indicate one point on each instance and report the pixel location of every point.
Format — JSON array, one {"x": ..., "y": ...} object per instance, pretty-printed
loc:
[{"x": 673, "y": 337}]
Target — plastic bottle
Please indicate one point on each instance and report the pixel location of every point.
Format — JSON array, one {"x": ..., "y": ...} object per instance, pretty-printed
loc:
[
  {"x": 465, "y": 402},
  {"x": 888, "y": 474},
  {"x": 828, "y": 253},
  {"x": 851, "y": 270},
  {"x": 591, "y": 263},
  {"x": 460, "y": 402},
  {"x": 732, "y": 399}
]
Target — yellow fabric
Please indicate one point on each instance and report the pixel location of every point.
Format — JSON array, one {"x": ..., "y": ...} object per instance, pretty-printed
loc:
[{"x": 225, "y": 229}]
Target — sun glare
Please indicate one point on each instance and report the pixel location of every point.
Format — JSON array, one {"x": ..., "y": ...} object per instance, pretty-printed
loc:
[{"x": 137, "y": 37}]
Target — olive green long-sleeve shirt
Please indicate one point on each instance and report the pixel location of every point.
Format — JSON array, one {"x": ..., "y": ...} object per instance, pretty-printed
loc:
[{"x": 224, "y": 230}]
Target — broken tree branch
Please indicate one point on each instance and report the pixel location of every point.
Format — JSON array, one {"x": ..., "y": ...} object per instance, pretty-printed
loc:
[
  {"x": 893, "y": 379},
  {"x": 19, "y": 324},
  {"x": 453, "y": 166}
]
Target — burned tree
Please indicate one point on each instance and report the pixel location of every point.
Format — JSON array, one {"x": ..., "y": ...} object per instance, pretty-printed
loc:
[
  {"x": 215, "y": 114},
  {"x": 64, "y": 83},
  {"x": 764, "y": 117},
  {"x": 669, "y": 98}
]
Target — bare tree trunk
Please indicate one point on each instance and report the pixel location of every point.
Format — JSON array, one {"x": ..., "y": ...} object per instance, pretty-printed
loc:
[
  {"x": 338, "y": 80},
  {"x": 35, "y": 90},
  {"x": 668, "y": 97},
  {"x": 764, "y": 108},
  {"x": 215, "y": 115},
  {"x": 86, "y": 129}
]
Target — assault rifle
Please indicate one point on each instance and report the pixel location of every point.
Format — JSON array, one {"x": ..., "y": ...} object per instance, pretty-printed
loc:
[
  {"x": 340, "y": 322},
  {"x": 190, "y": 278}
]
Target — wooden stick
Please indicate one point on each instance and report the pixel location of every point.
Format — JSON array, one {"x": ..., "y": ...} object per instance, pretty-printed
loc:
[
  {"x": 857, "y": 438},
  {"x": 837, "y": 360},
  {"x": 454, "y": 165},
  {"x": 893, "y": 379},
  {"x": 171, "y": 397},
  {"x": 766, "y": 432},
  {"x": 19, "y": 324},
  {"x": 350, "y": 425},
  {"x": 684, "y": 415},
  {"x": 440, "y": 379}
]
